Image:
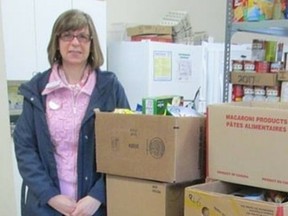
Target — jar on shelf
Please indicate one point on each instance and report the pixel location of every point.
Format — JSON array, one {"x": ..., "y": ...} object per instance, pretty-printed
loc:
[
  {"x": 248, "y": 93},
  {"x": 249, "y": 66},
  {"x": 259, "y": 93},
  {"x": 237, "y": 65},
  {"x": 272, "y": 94}
]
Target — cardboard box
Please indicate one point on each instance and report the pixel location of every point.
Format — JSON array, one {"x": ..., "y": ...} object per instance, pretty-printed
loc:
[
  {"x": 217, "y": 198},
  {"x": 131, "y": 197},
  {"x": 158, "y": 38},
  {"x": 255, "y": 79},
  {"x": 283, "y": 75},
  {"x": 158, "y": 105},
  {"x": 258, "y": 10},
  {"x": 161, "y": 148},
  {"x": 238, "y": 10},
  {"x": 149, "y": 29},
  {"x": 247, "y": 143}
]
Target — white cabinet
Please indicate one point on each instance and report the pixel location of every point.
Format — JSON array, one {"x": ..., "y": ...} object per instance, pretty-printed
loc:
[
  {"x": 19, "y": 38},
  {"x": 27, "y": 26},
  {"x": 152, "y": 69}
]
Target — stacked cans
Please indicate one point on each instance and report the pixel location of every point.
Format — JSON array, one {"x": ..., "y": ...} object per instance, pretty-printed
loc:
[{"x": 266, "y": 57}]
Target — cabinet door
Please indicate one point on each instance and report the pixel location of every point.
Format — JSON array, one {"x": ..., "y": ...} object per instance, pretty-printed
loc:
[
  {"x": 46, "y": 12},
  {"x": 97, "y": 10},
  {"x": 19, "y": 38}
]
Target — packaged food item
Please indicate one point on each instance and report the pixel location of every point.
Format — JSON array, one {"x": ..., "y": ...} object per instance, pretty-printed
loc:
[
  {"x": 259, "y": 93},
  {"x": 239, "y": 6},
  {"x": 258, "y": 50},
  {"x": 237, "y": 93},
  {"x": 262, "y": 66},
  {"x": 259, "y": 10},
  {"x": 249, "y": 66},
  {"x": 276, "y": 67},
  {"x": 272, "y": 94},
  {"x": 248, "y": 93},
  {"x": 237, "y": 65},
  {"x": 270, "y": 51}
]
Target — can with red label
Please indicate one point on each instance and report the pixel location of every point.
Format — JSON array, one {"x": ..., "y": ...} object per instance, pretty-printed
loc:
[
  {"x": 262, "y": 66},
  {"x": 237, "y": 93}
]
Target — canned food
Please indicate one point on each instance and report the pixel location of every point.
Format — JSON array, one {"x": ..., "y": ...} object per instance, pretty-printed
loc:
[
  {"x": 272, "y": 91},
  {"x": 249, "y": 66},
  {"x": 270, "y": 53},
  {"x": 237, "y": 91},
  {"x": 276, "y": 67},
  {"x": 259, "y": 91},
  {"x": 258, "y": 50},
  {"x": 262, "y": 66},
  {"x": 237, "y": 65},
  {"x": 248, "y": 90}
]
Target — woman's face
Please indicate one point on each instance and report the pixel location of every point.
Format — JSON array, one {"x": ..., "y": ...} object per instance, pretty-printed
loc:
[{"x": 74, "y": 47}]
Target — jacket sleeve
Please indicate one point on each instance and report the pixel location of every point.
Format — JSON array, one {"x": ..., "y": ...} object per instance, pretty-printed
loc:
[
  {"x": 28, "y": 154},
  {"x": 98, "y": 191},
  {"x": 121, "y": 98}
]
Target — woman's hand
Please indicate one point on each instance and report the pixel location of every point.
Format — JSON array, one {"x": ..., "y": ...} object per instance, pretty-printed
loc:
[
  {"x": 87, "y": 206},
  {"x": 63, "y": 204}
]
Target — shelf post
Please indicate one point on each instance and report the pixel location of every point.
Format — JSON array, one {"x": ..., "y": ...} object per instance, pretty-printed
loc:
[{"x": 227, "y": 50}]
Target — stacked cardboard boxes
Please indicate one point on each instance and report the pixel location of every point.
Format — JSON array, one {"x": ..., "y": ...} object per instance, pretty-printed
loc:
[
  {"x": 247, "y": 147},
  {"x": 149, "y": 160},
  {"x": 160, "y": 33}
]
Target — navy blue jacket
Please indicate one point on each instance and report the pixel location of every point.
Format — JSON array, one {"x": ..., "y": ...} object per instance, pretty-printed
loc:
[{"x": 35, "y": 153}]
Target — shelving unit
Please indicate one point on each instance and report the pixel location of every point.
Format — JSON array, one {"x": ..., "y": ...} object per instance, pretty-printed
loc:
[{"x": 268, "y": 27}]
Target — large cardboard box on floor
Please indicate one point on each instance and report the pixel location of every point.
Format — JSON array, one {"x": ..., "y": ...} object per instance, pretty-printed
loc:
[
  {"x": 248, "y": 144},
  {"x": 161, "y": 148},
  {"x": 136, "y": 197},
  {"x": 217, "y": 198}
]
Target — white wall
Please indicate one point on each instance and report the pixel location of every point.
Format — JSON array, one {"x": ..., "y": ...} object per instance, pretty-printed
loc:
[
  {"x": 205, "y": 15},
  {"x": 7, "y": 197}
]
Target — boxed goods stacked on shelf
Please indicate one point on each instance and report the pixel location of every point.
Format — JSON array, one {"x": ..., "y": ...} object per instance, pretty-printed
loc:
[
  {"x": 246, "y": 148},
  {"x": 246, "y": 145},
  {"x": 150, "y": 156},
  {"x": 256, "y": 79},
  {"x": 257, "y": 10}
]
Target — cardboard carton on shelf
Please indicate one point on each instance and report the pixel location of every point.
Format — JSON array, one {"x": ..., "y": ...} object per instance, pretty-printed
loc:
[
  {"x": 154, "y": 147},
  {"x": 282, "y": 75},
  {"x": 254, "y": 79},
  {"x": 218, "y": 198},
  {"x": 247, "y": 143}
]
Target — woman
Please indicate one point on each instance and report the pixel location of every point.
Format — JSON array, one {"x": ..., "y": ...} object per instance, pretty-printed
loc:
[{"x": 54, "y": 136}]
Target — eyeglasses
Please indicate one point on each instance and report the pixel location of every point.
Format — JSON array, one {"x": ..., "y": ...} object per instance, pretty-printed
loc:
[{"x": 82, "y": 37}]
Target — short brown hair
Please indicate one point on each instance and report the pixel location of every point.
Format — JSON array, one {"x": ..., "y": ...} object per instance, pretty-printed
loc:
[{"x": 73, "y": 20}]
